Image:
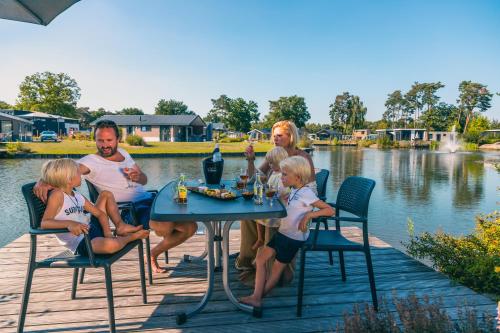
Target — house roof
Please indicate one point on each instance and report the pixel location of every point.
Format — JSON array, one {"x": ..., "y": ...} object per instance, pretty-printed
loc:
[
  {"x": 152, "y": 120},
  {"x": 8, "y": 116},
  {"x": 44, "y": 115},
  {"x": 400, "y": 129},
  {"x": 266, "y": 131},
  {"x": 218, "y": 126},
  {"x": 328, "y": 131}
]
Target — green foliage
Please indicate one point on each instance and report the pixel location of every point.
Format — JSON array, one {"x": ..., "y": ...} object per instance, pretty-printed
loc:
[
  {"x": 365, "y": 143},
  {"x": 17, "y": 147},
  {"x": 135, "y": 140},
  {"x": 384, "y": 141},
  {"x": 474, "y": 97},
  {"x": 304, "y": 142},
  {"x": 414, "y": 315},
  {"x": 470, "y": 146},
  {"x": 82, "y": 136},
  {"x": 314, "y": 128},
  {"x": 440, "y": 117},
  {"x": 237, "y": 114},
  {"x": 434, "y": 145},
  {"x": 49, "y": 92},
  {"x": 335, "y": 142},
  {"x": 291, "y": 108},
  {"x": 229, "y": 140},
  {"x": 476, "y": 127},
  {"x": 131, "y": 111},
  {"x": 172, "y": 107},
  {"x": 347, "y": 113},
  {"x": 85, "y": 116},
  {"x": 470, "y": 260},
  {"x": 5, "y": 106},
  {"x": 396, "y": 110}
]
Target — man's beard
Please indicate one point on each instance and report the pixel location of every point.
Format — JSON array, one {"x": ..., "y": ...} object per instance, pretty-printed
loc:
[{"x": 112, "y": 151}]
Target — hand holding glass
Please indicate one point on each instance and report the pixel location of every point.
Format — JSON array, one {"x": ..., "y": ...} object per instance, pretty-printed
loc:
[{"x": 127, "y": 169}]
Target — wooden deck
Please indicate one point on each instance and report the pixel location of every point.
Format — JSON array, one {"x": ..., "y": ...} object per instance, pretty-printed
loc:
[{"x": 326, "y": 297}]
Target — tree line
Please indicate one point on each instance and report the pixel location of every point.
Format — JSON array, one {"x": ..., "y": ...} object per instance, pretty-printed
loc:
[{"x": 420, "y": 106}]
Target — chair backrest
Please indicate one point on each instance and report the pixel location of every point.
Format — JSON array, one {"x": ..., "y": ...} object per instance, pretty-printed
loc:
[
  {"x": 36, "y": 207},
  {"x": 93, "y": 194},
  {"x": 321, "y": 179},
  {"x": 354, "y": 195}
]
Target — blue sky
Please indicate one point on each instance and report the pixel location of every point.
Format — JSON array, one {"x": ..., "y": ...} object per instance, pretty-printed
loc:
[{"x": 133, "y": 53}]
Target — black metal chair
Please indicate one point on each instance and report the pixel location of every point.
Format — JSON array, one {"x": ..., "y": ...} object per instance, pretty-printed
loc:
[
  {"x": 126, "y": 206},
  {"x": 67, "y": 259},
  {"x": 353, "y": 197},
  {"x": 321, "y": 182}
]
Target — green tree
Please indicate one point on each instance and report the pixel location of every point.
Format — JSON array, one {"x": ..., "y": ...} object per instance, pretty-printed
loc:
[
  {"x": 172, "y": 107},
  {"x": 474, "y": 97},
  {"x": 314, "y": 128},
  {"x": 85, "y": 116},
  {"x": 5, "y": 106},
  {"x": 347, "y": 113},
  {"x": 291, "y": 108},
  {"x": 414, "y": 101},
  {"x": 395, "y": 109},
  {"x": 219, "y": 111},
  {"x": 241, "y": 115},
  {"x": 49, "y": 92},
  {"x": 130, "y": 111},
  {"x": 440, "y": 117},
  {"x": 477, "y": 126}
]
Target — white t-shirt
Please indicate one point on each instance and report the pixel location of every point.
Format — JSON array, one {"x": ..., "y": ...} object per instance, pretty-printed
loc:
[
  {"x": 299, "y": 203},
  {"x": 108, "y": 175},
  {"x": 72, "y": 209}
]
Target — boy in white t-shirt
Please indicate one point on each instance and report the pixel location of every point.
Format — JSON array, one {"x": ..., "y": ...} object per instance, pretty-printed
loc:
[{"x": 293, "y": 230}]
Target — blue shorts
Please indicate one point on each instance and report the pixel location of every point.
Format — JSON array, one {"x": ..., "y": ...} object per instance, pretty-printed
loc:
[
  {"x": 95, "y": 230},
  {"x": 143, "y": 213},
  {"x": 286, "y": 248}
]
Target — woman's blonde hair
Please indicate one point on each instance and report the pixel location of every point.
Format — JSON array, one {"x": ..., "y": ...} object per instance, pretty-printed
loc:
[
  {"x": 291, "y": 129},
  {"x": 299, "y": 166},
  {"x": 276, "y": 155},
  {"x": 59, "y": 172}
]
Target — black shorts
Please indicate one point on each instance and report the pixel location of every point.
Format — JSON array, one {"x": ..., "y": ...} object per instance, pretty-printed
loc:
[
  {"x": 143, "y": 212},
  {"x": 95, "y": 230},
  {"x": 286, "y": 248}
]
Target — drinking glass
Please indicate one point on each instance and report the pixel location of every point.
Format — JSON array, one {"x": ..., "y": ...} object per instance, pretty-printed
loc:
[
  {"x": 126, "y": 169},
  {"x": 244, "y": 177},
  {"x": 271, "y": 191}
]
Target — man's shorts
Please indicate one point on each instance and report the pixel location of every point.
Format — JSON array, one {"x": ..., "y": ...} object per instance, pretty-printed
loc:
[
  {"x": 95, "y": 230},
  {"x": 143, "y": 213},
  {"x": 286, "y": 248}
]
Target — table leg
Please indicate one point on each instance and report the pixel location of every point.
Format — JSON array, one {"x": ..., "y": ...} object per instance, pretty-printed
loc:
[
  {"x": 218, "y": 245},
  {"x": 183, "y": 317},
  {"x": 189, "y": 258},
  {"x": 256, "y": 312}
]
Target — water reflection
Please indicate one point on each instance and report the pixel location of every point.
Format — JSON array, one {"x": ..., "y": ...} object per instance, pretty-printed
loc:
[{"x": 436, "y": 190}]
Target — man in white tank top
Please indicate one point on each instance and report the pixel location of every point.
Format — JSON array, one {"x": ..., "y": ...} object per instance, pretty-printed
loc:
[{"x": 105, "y": 169}]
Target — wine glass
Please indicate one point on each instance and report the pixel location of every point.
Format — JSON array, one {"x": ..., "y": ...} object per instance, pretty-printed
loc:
[
  {"x": 244, "y": 177},
  {"x": 126, "y": 169},
  {"x": 271, "y": 191}
]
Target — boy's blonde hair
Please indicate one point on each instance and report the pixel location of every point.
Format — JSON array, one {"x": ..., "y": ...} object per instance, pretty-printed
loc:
[
  {"x": 276, "y": 155},
  {"x": 299, "y": 166},
  {"x": 59, "y": 172},
  {"x": 290, "y": 128}
]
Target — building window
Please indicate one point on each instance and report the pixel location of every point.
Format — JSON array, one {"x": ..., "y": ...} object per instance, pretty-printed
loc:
[{"x": 145, "y": 128}]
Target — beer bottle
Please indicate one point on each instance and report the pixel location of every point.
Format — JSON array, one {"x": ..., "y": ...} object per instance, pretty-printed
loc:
[{"x": 182, "y": 190}]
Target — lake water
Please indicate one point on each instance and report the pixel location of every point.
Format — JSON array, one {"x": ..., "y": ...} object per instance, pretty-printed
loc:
[{"x": 436, "y": 190}]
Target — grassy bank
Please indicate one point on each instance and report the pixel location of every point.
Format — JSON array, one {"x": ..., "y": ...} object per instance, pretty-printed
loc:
[{"x": 88, "y": 147}]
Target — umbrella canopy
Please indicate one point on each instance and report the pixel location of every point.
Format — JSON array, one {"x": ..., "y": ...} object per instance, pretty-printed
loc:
[{"x": 33, "y": 11}]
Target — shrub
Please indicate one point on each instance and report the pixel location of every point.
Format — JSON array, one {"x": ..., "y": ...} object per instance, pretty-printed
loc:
[
  {"x": 82, "y": 136},
  {"x": 472, "y": 260},
  {"x": 135, "y": 140},
  {"x": 469, "y": 146},
  {"x": 365, "y": 143},
  {"x": 414, "y": 315},
  {"x": 434, "y": 145},
  {"x": 335, "y": 141},
  {"x": 14, "y": 147},
  {"x": 403, "y": 144},
  {"x": 384, "y": 141},
  {"x": 229, "y": 140},
  {"x": 304, "y": 142}
]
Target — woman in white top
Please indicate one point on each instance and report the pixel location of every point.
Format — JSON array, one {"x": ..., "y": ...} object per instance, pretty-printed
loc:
[{"x": 66, "y": 209}]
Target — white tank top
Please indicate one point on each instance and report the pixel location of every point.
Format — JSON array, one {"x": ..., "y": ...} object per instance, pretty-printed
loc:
[{"x": 72, "y": 209}]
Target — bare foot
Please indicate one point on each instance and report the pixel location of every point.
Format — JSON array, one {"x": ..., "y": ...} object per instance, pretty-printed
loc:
[
  {"x": 251, "y": 300},
  {"x": 258, "y": 243},
  {"x": 155, "y": 267},
  {"x": 124, "y": 229},
  {"x": 141, "y": 234}
]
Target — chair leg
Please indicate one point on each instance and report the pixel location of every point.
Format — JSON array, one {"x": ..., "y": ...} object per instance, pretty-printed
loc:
[
  {"x": 141, "y": 271},
  {"x": 24, "y": 302},
  {"x": 342, "y": 265},
  {"x": 109, "y": 296},
  {"x": 330, "y": 253},
  {"x": 148, "y": 259},
  {"x": 301, "y": 282},
  {"x": 166, "y": 257},
  {"x": 75, "y": 282},
  {"x": 82, "y": 275},
  {"x": 371, "y": 276}
]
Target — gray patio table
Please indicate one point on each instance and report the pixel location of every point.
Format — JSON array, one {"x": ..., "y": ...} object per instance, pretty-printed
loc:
[{"x": 213, "y": 213}]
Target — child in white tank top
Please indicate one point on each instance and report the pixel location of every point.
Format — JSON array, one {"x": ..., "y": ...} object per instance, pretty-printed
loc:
[{"x": 66, "y": 209}]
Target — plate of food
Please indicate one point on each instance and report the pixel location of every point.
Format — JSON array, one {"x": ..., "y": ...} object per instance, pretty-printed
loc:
[{"x": 221, "y": 194}]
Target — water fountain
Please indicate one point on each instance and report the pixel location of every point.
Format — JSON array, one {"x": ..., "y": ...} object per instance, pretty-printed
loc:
[{"x": 452, "y": 144}]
